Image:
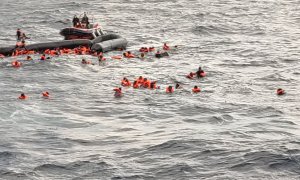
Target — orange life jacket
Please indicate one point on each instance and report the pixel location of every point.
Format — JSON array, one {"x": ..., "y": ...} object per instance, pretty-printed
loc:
[
  {"x": 130, "y": 56},
  {"x": 16, "y": 64},
  {"x": 166, "y": 47},
  {"x": 196, "y": 90},
  {"x": 140, "y": 81},
  {"x": 146, "y": 84},
  {"x": 126, "y": 83},
  {"x": 280, "y": 92},
  {"x": 116, "y": 57},
  {"x": 20, "y": 44},
  {"x": 45, "y": 94},
  {"x": 169, "y": 91},
  {"x": 136, "y": 85},
  {"x": 23, "y": 97},
  {"x": 117, "y": 90},
  {"x": 203, "y": 74}
]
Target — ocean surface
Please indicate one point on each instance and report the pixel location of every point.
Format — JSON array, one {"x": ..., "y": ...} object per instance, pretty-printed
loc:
[{"x": 236, "y": 128}]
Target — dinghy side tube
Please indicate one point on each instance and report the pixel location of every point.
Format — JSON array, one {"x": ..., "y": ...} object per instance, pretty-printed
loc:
[
  {"x": 7, "y": 51},
  {"x": 105, "y": 37},
  {"x": 59, "y": 44},
  {"x": 110, "y": 45}
]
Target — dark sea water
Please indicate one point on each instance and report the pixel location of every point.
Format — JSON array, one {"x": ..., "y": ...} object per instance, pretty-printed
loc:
[{"x": 236, "y": 128}]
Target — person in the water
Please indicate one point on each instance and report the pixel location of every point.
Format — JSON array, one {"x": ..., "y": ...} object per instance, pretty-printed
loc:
[
  {"x": 28, "y": 58},
  {"x": 23, "y": 96},
  {"x": 118, "y": 92},
  {"x": 200, "y": 73},
  {"x": 125, "y": 82},
  {"x": 136, "y": 85},
  {"x": 196, "y": 89},
  {"x": 170, "y": 89},
  {"x": 46, "y": 94},
  {"x": 280, "y": 91}
]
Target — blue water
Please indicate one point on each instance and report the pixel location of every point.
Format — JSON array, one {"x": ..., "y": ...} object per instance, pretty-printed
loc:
[{"x": 236, "y": 128}]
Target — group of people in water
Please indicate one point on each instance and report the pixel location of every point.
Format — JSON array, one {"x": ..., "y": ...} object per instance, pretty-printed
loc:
[
  {"x": 44, "y": 95},
  {"x": 140, "y": 82},
  {"x": 145, "y": 83}
]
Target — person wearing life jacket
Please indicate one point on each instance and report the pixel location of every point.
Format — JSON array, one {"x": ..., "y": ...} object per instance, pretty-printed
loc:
[
  {"x": 153, "y": 85},
  {"x": 280, "y": 91},
  {"x": 101, "y": 58},
  {"x": 166, "y": 47},
  {"x": 142, "y": 49},
  {"x": 16, "y": 64},
  {"x": 191, "y": 75},
  {"x": 146, "y": 83},
  {"x": 23, "y": 96},
  {"x": 43, "y": 57},
  {"x": 196, "y": 89},
  {"x": 136, "y": 85},
  {"x": 118, "y": 92},
  {"x": 20, "y": 44},
  {"x": 46, "y": 94},
  {"x": 151, "y": 49},
  {"x": 140, "y": 80},
  {"x": 200, "y": 73},
  {"x": 28, "y": 58},
  {"x": 125, "y": 82},
  {"x": 169, "y": 89},
  {"x": 129, "y": 55}
]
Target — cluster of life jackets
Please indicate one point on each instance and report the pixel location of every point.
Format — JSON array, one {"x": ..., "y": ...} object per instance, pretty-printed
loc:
[
  {"x": 200, "y": 73},
  {"x": 139, "y": 82},
  {"x": 54, "y": 52},
  {"x": 19, "y": 52},
  {"x": 170, "y": 89},
  {"x": 145, "y": 49}
]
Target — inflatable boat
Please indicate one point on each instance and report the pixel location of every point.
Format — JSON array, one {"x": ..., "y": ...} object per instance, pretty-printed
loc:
[{"x": 89, "y": 35}]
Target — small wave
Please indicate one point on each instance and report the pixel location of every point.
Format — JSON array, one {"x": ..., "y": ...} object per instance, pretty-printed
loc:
[
  {"x": 210, "y": 29},
  {"x": 170, "y": 146},
  {"x": 181, "y": 170},
  {"x": 6, "y": 154},
  {"x": 266, "y": 160},
  {"x": 8, "y": 174}
]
